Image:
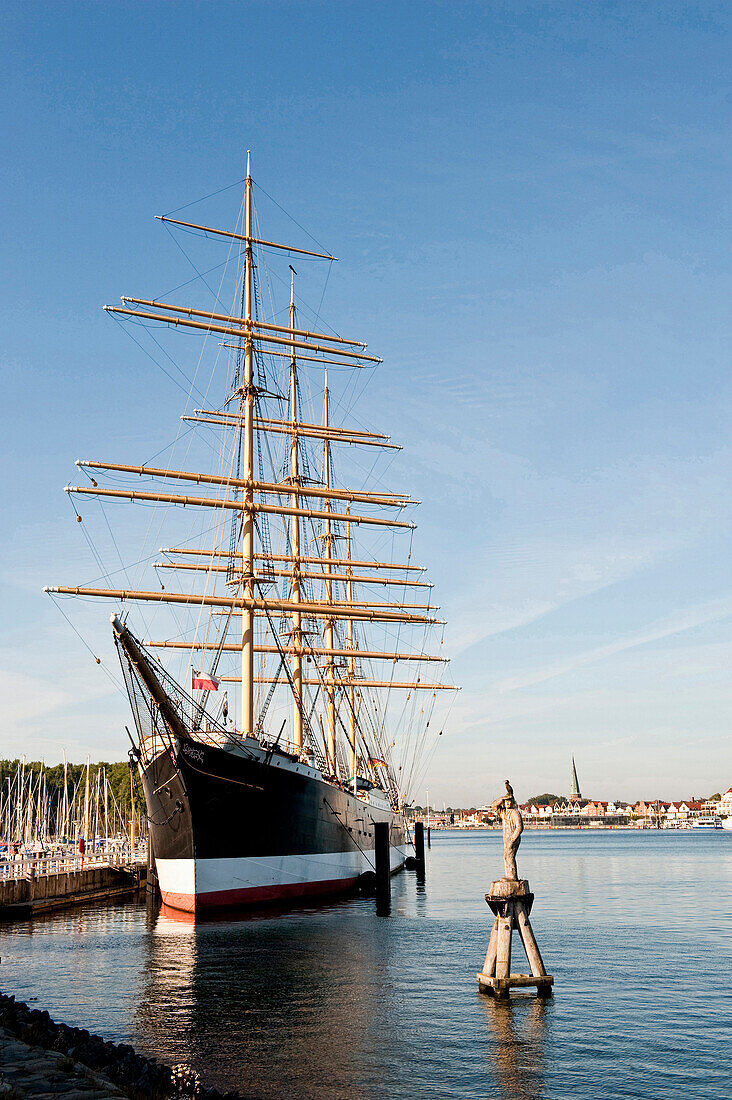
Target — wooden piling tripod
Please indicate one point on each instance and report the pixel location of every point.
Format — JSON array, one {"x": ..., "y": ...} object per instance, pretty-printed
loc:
[{"x": 511, "y": 901}]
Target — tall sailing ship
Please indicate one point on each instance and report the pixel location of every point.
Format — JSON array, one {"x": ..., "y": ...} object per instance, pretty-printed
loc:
[{"x": 293, "y": 589}]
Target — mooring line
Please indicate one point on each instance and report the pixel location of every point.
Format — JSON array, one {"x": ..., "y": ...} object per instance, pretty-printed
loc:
[{"x": 336, "y": 814}]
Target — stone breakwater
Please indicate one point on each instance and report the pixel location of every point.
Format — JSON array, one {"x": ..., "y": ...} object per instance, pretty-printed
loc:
[{"x": 36, "y": 1052}]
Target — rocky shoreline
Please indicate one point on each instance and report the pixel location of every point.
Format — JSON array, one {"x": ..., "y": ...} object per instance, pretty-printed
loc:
[{"x": 77, "y": 1063}]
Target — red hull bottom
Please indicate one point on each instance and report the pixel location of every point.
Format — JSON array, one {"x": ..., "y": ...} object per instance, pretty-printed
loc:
[{"x": 255, "y": 895}]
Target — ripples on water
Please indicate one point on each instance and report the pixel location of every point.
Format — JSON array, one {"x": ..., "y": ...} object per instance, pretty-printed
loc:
[{"x": 340, "y": 1002}]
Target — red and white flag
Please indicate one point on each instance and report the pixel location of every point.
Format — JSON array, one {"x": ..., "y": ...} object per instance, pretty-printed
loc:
[{"x": 203, "y": 681}]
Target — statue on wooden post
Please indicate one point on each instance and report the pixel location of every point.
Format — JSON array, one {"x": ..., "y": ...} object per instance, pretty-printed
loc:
[
  {"x": 513, "y": 825},
  {"x": 510, "y": 900}
]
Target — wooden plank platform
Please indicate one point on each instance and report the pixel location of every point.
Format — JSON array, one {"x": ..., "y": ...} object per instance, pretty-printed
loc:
[
  {"x": 511, "y": 901},
  {"x": 490, "y": 982}
]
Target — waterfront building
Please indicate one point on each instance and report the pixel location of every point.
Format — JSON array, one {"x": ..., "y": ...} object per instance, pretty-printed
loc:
[
  {"x": 537, "y": 811},
  {"x": 650, "y": 808},
  {"x": 683, "y": 811},
  {"x": 574, "y": 807},
  {"x": 618, "y": 808}
]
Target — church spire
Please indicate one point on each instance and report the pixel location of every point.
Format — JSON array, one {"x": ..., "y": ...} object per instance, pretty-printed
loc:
[{"x": 575, "y": 794}]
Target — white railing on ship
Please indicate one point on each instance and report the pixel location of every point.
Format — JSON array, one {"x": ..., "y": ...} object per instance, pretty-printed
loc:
[
  {"x": 64, "y": 862},
  {"x": 283, "y": 746},
  {"x": 152, "y": 745}
]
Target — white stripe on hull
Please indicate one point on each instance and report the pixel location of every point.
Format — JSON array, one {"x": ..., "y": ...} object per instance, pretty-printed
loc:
[{"x": 189, "y": 884}]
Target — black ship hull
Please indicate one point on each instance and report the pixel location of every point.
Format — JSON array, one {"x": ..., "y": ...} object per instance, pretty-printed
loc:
[{"x": 231, "y": 829}]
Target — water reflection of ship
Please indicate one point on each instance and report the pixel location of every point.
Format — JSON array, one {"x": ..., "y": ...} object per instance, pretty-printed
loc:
[
  {"x": 518, "y": 1029},
  {"x": 232, "y": 999}
]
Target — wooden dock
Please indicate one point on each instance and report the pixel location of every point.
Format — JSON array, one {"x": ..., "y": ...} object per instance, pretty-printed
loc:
[{"x": 37, "y": 885}]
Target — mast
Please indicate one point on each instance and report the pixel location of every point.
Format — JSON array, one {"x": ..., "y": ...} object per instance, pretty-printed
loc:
[
  {"x": 21, "y": 791},
  {"x": 328, "y": 543},
  {"x": 247, "y": 545},
  {"x": 132, "y": 816},
  {"x": 86, "y": 808},
  {"x": 46, "y": 809},
  {"x": 39, "y": 806},
  {"x": 95, "y": 830},
  {"x": 65, "y": 805},
  {"x": 295, "y": 534},
  {"x": 351, "y": 660}
]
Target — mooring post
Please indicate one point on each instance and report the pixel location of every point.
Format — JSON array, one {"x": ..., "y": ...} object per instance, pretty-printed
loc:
[
  {"x": 151, "y": 882},
  {"x": 429, "y": 837},
  {"x": 419, "y": 845},
  {"x": 383, "y": 867}
]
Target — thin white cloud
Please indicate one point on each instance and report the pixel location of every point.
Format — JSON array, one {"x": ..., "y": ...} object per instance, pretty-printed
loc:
[
  {"x": 680, "y": 621},
  {"x": 538, "y": 578}
]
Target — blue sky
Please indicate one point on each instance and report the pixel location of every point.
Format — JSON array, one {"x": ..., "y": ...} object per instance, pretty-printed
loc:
[{"x": 531, "y": 204}]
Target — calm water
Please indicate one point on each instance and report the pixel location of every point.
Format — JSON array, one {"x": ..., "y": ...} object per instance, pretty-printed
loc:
[{"x": 339, "y": 1002}]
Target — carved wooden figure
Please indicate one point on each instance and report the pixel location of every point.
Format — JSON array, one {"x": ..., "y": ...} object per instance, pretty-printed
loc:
[
  {"x": 510, "y": 900},
  {"x": 513, "y": 825}
]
